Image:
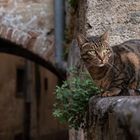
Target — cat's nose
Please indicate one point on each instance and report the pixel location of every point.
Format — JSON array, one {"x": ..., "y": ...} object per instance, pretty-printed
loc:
[{"x": 101, "y": 61}]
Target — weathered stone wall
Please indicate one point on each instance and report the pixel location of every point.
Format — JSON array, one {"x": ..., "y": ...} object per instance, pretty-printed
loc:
[
  {"x": 28, "y": 23},
  {"x": 114, "y": 118},
  {"x": 121, "y": 18}
]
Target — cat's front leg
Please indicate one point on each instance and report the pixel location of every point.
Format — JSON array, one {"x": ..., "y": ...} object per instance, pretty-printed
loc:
[
  {"x": 111, "y": 92},
  {"x": 134, "y": 92}
]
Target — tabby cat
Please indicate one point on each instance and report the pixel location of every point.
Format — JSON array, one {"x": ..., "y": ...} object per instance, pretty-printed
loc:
[{"x": 114, "y": 69}]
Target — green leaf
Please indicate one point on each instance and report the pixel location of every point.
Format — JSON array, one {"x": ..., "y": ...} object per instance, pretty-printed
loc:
[{"x": 72, "y": 99}]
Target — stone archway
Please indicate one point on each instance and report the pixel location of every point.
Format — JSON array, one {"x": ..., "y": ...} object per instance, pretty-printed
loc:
[
  {"x": 9, "y": 47},
  {"x": 30, "y": 45}
]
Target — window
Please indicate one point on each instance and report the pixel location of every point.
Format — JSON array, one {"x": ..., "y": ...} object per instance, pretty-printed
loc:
[{"x": 20, "y": 78}]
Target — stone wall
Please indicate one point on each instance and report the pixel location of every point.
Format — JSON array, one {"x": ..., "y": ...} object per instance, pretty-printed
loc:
[
  {"x": 114, "y": 118},
  {"x": 28, "y": 23},
  {"x": 120, "y": 18}
]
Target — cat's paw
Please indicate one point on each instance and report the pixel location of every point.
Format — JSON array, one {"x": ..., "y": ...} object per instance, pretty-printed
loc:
[
  {"x": 134, "y": 92},
  {"x": 109, "y": 94}
]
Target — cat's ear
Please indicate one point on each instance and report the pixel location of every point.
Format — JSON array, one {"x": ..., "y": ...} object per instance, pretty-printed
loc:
[
  {"x": 105, "y": 37},
  {"x": 81, "y": 39}
]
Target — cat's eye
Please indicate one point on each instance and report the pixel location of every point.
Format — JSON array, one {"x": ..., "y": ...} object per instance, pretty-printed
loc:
[{"x": 106, "y": 50}]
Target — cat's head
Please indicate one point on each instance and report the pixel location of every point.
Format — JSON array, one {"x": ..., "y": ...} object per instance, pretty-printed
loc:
[{"x": 95, "y": 50}]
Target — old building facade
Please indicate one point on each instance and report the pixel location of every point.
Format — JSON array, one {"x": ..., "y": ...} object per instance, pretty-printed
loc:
[{"x": 28, "y": 23}]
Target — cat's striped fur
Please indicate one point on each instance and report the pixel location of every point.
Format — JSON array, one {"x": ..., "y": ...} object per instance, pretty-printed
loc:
[{"x": 114, "y": 69}]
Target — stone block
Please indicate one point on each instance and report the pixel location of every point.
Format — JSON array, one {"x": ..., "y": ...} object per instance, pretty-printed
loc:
[{"x": 114, "y": 118}]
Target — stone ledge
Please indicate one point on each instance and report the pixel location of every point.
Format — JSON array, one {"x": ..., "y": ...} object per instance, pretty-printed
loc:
[{"x": 114, "y": 118}]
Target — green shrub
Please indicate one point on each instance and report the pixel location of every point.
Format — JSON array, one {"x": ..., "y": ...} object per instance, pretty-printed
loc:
[{"x": 72, "y": 100}]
